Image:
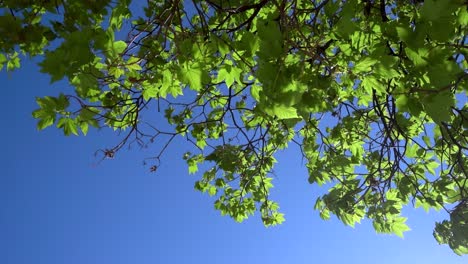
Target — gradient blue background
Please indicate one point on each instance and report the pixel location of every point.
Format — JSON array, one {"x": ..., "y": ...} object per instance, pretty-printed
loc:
[{"x": 59, "y": 206}]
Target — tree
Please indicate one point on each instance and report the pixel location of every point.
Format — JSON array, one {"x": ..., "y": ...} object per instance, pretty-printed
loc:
[{"x": 372, "y": 92}]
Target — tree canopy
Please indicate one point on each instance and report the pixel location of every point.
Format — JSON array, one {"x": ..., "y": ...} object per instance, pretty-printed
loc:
[{"x": 373, "y": 93}]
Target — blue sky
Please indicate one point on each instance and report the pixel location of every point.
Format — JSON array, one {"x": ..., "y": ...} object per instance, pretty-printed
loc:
[{"x": 60, "y": 205}]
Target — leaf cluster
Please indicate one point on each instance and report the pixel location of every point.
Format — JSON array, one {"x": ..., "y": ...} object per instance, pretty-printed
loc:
[{"x": 374, "y": 93}]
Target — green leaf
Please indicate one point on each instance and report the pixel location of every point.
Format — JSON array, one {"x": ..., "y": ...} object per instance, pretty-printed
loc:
[
  {"x": 68, "y": 125},
  {"x": 119, "y": 13},
  {"x": 431, "y": 166},
  {"x": 433, "y": 9},
  {"x": 150, "y": 91},
  {"x": 119, "y": 47},
  {"x": 271, "y": 39},
  {"x": 193, "y": 75},
  {"x": 364, "y": 65},
  {"x": 463, "y": 16},
  {"x": 402, "y": 102},
  {"x": 357, "y": 149},
  {"x": 422, "y": 202},
  {"x": 325, "y": 214},
  {"x": 398, "y": 226},
  {"x": 169, "y": 85},
  {"x": 412, "y": 150},
  {"x": 13, "y": 62},
  {"x": 45, "y": 121},
  {"x": 344, "y": 28},
  {"x": 419, "y": 57},
  {"x": 438, "y": 106},
  {"x": 116, "y": 72},
  {"x": 133, "y": 64},
  {"x": 250, "y": 42},
  {"x": 403, "y": 32},
  {"x": 84, "y": 127},
  {"x": 3, "y": 59},
  {"x": 229, "y": 74},
  {"x": 370, "y": 84},
  {"x": 212, "y": 190},
  {"x": 282, "y": 112}
]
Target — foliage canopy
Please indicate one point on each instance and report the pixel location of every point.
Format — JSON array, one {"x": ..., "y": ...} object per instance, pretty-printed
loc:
[{"x": 372, "y": 92}]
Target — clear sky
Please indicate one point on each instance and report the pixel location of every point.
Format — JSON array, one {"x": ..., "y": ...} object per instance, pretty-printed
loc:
[{"x": 59, "y": 206}]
